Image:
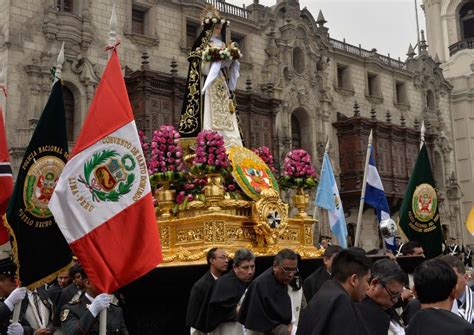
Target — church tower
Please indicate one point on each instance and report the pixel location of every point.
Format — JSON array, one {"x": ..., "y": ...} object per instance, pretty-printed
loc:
[{"x": 450, "y": 33}]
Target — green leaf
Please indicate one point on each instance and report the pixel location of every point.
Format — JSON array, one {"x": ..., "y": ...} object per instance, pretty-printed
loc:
[{"x": 97, "y": 158}]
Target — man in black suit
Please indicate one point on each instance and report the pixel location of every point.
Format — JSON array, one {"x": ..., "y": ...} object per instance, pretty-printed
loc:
[
  {"x": 385, "y": 290},
  {"x": 315, "y": 280},
  {"x": 435, "y": 287},
  {"x": 196, "y": 316},
  {"x": 332, "y": 309}
]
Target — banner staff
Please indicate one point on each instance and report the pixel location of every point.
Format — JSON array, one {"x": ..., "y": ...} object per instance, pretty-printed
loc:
[{"x": 362, "y": 196}]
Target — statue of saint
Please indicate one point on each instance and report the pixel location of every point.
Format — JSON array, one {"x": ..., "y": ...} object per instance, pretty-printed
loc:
[{"x": 209, "y": 101}]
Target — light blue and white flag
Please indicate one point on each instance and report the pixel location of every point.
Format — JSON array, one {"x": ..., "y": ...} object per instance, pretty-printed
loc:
[
  {"x": 327, "y": 196},
  {"x": 375, "y": 197}
]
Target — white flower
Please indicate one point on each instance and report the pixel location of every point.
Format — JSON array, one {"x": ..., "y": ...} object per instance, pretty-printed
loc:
[
  {"x": 228, "y": 23},
  {"x": 206, "y": 21},
  {"x": 214, "y": 20},
  {"x": 222, "y": 21}
]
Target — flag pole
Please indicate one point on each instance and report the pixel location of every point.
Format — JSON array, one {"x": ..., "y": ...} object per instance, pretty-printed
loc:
[
  {"x": 422, "y": 133},
  {"x": 112, "y": 42},
  {"x": 362, "y": 196},
  {"x": 59, "y": 65}
]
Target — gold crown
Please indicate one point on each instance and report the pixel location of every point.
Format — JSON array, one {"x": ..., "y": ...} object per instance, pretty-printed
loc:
[{"x": 210, "y": 16}]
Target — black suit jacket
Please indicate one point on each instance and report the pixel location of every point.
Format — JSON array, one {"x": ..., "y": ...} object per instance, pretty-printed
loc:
[
  {"x": 331, "y": 311},
  {"x": 314, "y": 281}
]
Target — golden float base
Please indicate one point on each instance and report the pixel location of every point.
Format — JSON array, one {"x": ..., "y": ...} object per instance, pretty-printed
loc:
[{"x": 186, "y": 240}]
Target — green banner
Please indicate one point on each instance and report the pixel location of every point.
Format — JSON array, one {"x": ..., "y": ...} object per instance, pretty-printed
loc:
[
  {"x": 419, "y": 214},
  {"x": 40, "y": 250}
]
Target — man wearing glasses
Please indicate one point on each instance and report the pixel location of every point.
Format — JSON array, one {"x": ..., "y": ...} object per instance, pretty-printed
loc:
[
  {"x": 332, "y": 310},
  {"x": 227, "y": 294},
  {"x": 273, "y": 301},
  {"x": 385, "y": 289},
  {"x": 196, "y": 316}
]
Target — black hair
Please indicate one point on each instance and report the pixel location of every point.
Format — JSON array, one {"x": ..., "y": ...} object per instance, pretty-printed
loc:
[
  {"x": 242, "y": 255},
  {"x": 331, "y": 251},
  {"x": 285, "y": 254},
  {"x": 407, "y": 248},
  {"x": 77, "y": 268},
  {"x": 349, "y": 262},
  {"x": 358, "y": 250},
  {"x": 434, "y": 281},
  {"x": 211, "y": 254},
  {"x": 387, "y": 271},
  {"x": 455, "y": 263}
]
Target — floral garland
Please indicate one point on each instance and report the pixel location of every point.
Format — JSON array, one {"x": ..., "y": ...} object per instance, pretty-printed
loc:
[
  {"x": 214, "y": 54},
  {"x": 214, "y": 20},
  {"x": 165, "y": 163},
  {"x": 210, "y": 153},
  {"x": 298, "y": 172},
  {"x": 265, "y": 154}
]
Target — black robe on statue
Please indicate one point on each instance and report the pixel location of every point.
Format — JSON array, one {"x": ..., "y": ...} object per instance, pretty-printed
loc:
[
  {"x": 332, "y": 311},
  {"x": 433, "y": 321},
  {"x": 266, "y": 305},
  {"x": 224, "y": 298},
  {"x": 375, "y": 317},
  {"x": 314, "y": 281},
  {"x": 196, "y": 315}
]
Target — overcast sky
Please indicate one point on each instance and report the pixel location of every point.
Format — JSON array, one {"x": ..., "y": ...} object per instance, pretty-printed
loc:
[{"x": 387, "y": 25}]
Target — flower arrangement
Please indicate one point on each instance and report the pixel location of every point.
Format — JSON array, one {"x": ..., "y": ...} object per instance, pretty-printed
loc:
[
  {"x": 298, "y": 172},
  {"x": 266, "y": 156},
  {"x": 165, "y": 163},
  {"x": 214, "y": 54},
  {"x": 210, "y": 153},
  {"x": 214, "y": 19}
]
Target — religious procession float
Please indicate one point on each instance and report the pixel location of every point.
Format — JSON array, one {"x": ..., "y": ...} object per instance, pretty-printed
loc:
[{"x": 210, "y": 189}]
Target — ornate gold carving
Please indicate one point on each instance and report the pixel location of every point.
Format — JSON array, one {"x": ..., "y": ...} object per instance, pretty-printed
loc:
[
  {"x": 165, "y": 236},
  {"x": 214, "y": 191},
  {"x": 308, "y": 235},
  {"x": 271, "y": 217},
  {"x": 189, "y": 235},
  {"x": 290, "y": 235},
  {"x": 300, "y": 201},
  {"x": 214, "y": 231}
]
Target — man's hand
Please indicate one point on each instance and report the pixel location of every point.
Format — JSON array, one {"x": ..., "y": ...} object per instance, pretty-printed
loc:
[
  {"x": 101, "y": 302},
  {"x": 15, "y": 297},
  {"x": 15, "y": 329}
]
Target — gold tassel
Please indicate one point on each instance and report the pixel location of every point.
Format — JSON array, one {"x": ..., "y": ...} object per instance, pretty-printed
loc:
[{"x": 231, "y": 106}]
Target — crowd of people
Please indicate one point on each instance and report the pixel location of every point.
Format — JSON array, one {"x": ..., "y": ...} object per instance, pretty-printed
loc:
[
  {"x": 348, "y": 294},
  {"x": 68, "y": 306}
]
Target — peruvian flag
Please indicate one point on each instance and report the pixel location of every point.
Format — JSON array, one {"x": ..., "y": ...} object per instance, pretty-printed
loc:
[
  {"x": 6, "y": 184},
  {"x": 102, "y": 202}
]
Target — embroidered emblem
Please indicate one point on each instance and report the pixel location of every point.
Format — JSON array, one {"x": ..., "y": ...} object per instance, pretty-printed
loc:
[
  {"x": 107, "y": 175},
  {"x": 424, "y": 202}
]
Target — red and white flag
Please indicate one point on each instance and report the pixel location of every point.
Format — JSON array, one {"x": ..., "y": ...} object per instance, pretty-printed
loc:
[
  {"x": 6, "y": 185},
  {"x": 102, "y": 202}
]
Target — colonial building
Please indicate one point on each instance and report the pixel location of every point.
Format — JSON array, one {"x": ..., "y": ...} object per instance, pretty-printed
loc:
[
  {"x": 450, "y": 29},
  {"x": 298, "y": 86}
]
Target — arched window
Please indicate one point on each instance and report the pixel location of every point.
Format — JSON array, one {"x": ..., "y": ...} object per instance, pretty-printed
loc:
[
  {"x": 298, "y": 60},
  {"x": 64, "y": 6},
  {"x": 295, "y": 132},
  {"x": 466, "y": 20},
  {"x": 69, "y": 111},
  {"x": 430, "y": 100}
]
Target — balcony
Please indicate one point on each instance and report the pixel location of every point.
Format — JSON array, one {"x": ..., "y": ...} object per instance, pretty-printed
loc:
[{"x": 461, "y": 45}]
